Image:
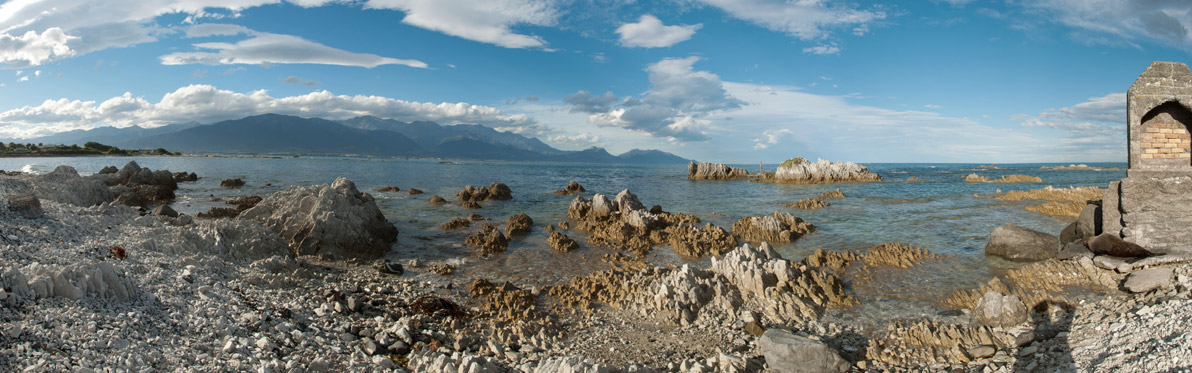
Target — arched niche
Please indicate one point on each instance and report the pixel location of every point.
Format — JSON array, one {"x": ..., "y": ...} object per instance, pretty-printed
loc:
[{"x": 1165, "y": 140}]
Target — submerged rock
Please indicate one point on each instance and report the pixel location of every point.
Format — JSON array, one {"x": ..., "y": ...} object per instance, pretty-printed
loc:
[
  {"x": 715, "y": 171},
  {"x": 456, "y": 223},
  {"x": 974, "y": 178},
  {"x": 802, "y": 171},
  {"x": 1019, "y": 243},
  {"x": 780, "y": 227},
  {"x": 181, "y": 176},
  {"x": 808, "y": 204},
  {"x": 414, "y": 191},
  {"x": 327, "y": 219},
  {"x": 494, "y": 192},
  {"x": 436, "y": 200},
  {"x": 787, "y": 352},
  {"x": 1019, "y": 179},
  {"x": 571, "y": 188},
  {"x": 388, "y": 189}
]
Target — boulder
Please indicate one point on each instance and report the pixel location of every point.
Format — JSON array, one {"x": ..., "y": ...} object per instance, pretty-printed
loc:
[
  {"x": 627, "y": 202},
  {"x": 388, "y": 189},
  {"x": 494, "y": 192},
  {"x": 25, "y": 205},
  {"x": 1110, "y": 244},
  {"x": 1088, "y": 225},
  {"x": 1074, "y": 251},
  {"x": 571, "y": 188},
  {"x": 332, "y": 219},
  {"x": 642, "y": 219},
  {"x": 456, "y": 223},
  {"x": 561, "y": 243},
  {"x": 232, "y": 183},
  {"x": 164, "y": 210},
  {"x": 64, "y": 185},
  {"x": 488, "y": 240},
  {"x": 1019, "y": 243},
  {"x": 1069, "y": 234},
  {"x": 108, "y": 170},
  {"x": 519, "y": 225},
  {"x": 997, "y": 310},
  {"x": 1148, "y": 279},
  {"x": 787, "y": 352},
  {"x": 601, "y": 206},
  {"x": 184, "y": 176},
  {"x": 436, "y": 200}
]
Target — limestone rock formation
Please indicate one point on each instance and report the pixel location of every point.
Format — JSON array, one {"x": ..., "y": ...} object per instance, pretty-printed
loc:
[
  {"x": 715, "y": 171},
  {"x": 1019, "y": 179},
  {"x": 1019, "y": 243},
  {"x": 388, "y": 189},
  {"x": 808, "y": 204},
  {"x": 494, "y": 192},
  {"x": 183, "y": 176},
  {"x": 1148, "y": 279},
  {"x": 571, "y": 188},
  {"x": 780, "y": 227},
  {"x": 436, "y": 200},
  {"x": 489, "y": 240},
  {"x": 414, "y": 191},
  {"x": 232, "y": 183},
  {"x": 788, "y": 352},
  {"x": 456, "y": 223},
  {"x": 64, "y": 185},
  {"x": 997, "y": 310},
  {"x": 693, "y": 241},
  {"x": 332, "y": 219},
  {"x": 802, "y": 171},
  {"x": 561, "y": 243},
  {"x": 519, "y": 225},
  {"x": 974, "y": 178}
]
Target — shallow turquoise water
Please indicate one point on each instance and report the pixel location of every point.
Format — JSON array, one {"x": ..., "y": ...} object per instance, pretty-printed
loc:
[{"x": 939, "y": 213}]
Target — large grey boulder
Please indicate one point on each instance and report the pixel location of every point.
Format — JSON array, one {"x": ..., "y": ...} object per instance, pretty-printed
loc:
[
  {"x": 64, "y": 185},
  {"x": 1019, "y": 243},
  {"x": 787, "y": 352},
  {"x": 997, "y": 310},
  {"x": 1148, "y": 279},
  {"x": 332, "y": 219}
]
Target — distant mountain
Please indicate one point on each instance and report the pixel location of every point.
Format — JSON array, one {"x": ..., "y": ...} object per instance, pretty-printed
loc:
[{"x": 274, "y": 133}]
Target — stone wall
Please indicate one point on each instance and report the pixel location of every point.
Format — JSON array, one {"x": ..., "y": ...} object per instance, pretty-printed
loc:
[
  {"x": 1156, "y": 213},
  {"x": 1161, "y": 94}
]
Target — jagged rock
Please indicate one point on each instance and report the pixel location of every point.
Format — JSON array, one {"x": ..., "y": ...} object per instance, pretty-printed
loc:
[
  {"x": 164, "y": 210},
  {"x": 476, "y": 217},
  {"x": 181, "y": 176},
  {"x": 808, "y": 204},
  {"x": 692, "y": 241},
  {"x": 226, "y": 238},
  {"x": 1148, "y": 279},
  {"x": 997, "y": 310},
  {"x": 642, "y": 219},
  {"x": 72, "y": 281},
  {"x": 627, "y": 201},
  {"x": 1019, "y": 179},
  {"x": 388, "y": 189},
  {"x": 1110, "y": 244},
  {"x": 571, "y": 188},
  {"x": 799, "y": 170},
  {"x": 780, "y": 227},
  {"x": 414, "y": 191},
  {"x": 436, "y": 200},
  {"x": 715, "y": 171},
  {"x": 219, "y": 213},
  {"x": 494, "y": 192},
  {"x": 232, "y": 183},
  {"x": 469, "y": 205},
  {"x": 489, "y": 240},
  {"x": 456, "y": 223},
  {"x": 64, "y": 185},
  {"x": 787, "y": 352},
  {"x": 519, "y": 225},
  {"x": 601, "y": 206},
  {"x": 561, "y": 243},
  {"x": 1019, "y": 243},
  {"x": 26, "y": 205},
  {"x": 332, "y": 219}
]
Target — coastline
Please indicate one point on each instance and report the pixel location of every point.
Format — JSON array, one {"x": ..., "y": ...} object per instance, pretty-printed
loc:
[{"x": 279, "y": 311}]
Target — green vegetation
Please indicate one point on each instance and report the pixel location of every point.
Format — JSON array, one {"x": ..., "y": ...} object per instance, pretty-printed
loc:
[
  {"x": 90, "y": 148},
  {"x": 793, "y": 161}
]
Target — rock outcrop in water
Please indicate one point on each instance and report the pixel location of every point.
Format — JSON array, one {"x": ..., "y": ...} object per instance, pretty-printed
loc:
[
  {"x": 561, "y": 243},
  {"x": 625, "y": 224},
  {"x": 488, "y": 240},
  {"x": 780, "y": 227},
  {"x": 715, "y": 171},
  {"x": 494, "y": 192},
  {"x": 1020, "y": 243},
  {"x": 571, "y": 188},
  {"x": 334, "y": 219},
  {"x": 131, "y": 186},
  {"x": 519, "y": 225},
  {"x": 802, "y": 171}
]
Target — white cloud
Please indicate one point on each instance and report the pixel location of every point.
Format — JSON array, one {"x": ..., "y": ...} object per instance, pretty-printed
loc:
[
  {"x": 488, "y": 21},
  {"x": 23, "y": 79},
  {"x": 215, "y": 29},
  {"x": 822, "y": 49},
  {"x": 299, "y": 81},
  {"x": 803, "y": 19},
  {"x": 673, "y": 108},
  {"x": 933, "y": 106},
  {"x": 582, "y": 140},
  {"x": 649, "y": 32},
  {"x": 32, "y": 48},
  {"x": 264, "y": 48},
  {"x": 772, "y": 137},
  {"x": 205, "y": 104},
  {"x": 1119, "y": 22}
]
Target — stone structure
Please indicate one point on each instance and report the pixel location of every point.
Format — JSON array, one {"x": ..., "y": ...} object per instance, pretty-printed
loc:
[{"x": 1152, "y": 206}]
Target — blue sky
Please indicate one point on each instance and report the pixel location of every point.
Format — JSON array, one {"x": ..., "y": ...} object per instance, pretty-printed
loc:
[{"x": 735, "y": 81}]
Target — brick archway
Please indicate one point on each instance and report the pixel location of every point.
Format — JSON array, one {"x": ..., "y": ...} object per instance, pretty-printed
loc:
[{"x": 1166, "y": 141}]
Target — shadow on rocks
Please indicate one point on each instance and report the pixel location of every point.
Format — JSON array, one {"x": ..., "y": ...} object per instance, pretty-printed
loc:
[{"x": 1048, "y": 349}]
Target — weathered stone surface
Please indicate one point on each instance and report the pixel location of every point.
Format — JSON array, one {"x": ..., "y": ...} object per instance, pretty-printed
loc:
[
  {"x": 799, "y": 170},
  {"x": 1111, "y": 213},
  {"x": 489, "y": 240},
  {"x": 436, "y": 200},
  {"x": 1148, "y": 279},
  {"x": 561, "y": 243},
  {"x": 715, "y": 171},
  {"x": 1089, "y": 223},
  {"x": 164, "y": 210},
  {"x": 690, "y": 240},
  {"x": 787, "y": 352},
  {"x": 388, "y": 189},
  {"x": 414, "y": 191},
  {"x": 1019, "y": 243},
  {"x": 974, "y": 178},
  {"x": 571, "y": 188},
  {"x": 332, "y": 219},
  {"x": 1157, "y": 213},
  {"x": 780, "y": 227},
  {"x": 181, "y": 176},
  {"x": 519, "y": 225},
  {"x": 1108, "y": 244},
  {"x": 64, "y": 185},
  {"x": 997, "y": 310},
  {"x": 1074, "y": 251},
  {"x": 981, "y": 352},
  {"x": 494, "y": 192},
  {"x": 456, "y": 223},
  {"x": 601, "y": 206},
  {"x": 1069, "y": 234},
  {"x": 232, "y": 183},
  {"x": 25, "y": 205}
]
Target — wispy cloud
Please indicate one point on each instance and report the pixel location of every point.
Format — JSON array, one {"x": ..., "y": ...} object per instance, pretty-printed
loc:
[
  {"x": 649, "y": 32},
  {"x": 489, "y": 22}
]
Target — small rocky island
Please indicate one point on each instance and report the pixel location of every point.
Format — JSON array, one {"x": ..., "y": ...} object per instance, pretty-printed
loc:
[{"x": 794, "y": 171}]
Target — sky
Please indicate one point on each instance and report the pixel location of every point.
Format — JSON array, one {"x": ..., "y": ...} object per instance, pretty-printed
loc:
[{"x": 735, "y": 81}]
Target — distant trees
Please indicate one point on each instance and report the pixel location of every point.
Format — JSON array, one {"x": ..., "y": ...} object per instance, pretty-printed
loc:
[{"x": 88, "y": 148}]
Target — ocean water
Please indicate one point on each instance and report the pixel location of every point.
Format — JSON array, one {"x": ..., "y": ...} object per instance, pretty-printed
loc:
[{"x": 939, "y": 213}]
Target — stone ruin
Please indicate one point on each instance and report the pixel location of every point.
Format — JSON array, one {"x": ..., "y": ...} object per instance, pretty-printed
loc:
[{"x": 1152, "y": 206}]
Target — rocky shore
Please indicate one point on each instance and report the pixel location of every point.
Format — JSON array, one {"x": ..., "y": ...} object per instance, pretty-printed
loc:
[{"x": 92, "y": 280}]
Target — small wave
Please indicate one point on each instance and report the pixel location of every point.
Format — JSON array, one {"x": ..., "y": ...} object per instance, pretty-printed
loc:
[{"x": 30, "y": 169}]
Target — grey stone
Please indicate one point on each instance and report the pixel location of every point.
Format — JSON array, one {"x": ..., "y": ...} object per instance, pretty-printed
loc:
[
  {"x": 981, "y": 352},
  {"x": 714, "y": 171},
  {"x": 787, "y": 352},
  {"x": 164, "y": 210},
  {"x": 1074, "y": 250},
  {"x": 1019, "y": 243},
  {"x": 369, "y": 346},
  {"x": 390, "y": 267},
  {"x": 26, "y": 205},
  {"x": 601, "y": 206},
  {"x": 1111, "y": 214},
  {"x": 1112, "y": 263},
  {"x": 997, "y": 310},
  {"x": 1163, "y": 89},
  {"x": 1069, "y": 233},
  {"x": 1148, "y": 279},
  {"x": 1108, "y": 244},
  {"x": 1089, "y": 222},
  {"x": 1157, "y": 213},
  {"x": 355, "y": 303}
]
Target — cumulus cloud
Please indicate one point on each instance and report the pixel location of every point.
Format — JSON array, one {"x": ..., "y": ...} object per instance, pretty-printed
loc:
[
  {"x": 206, "y": 104},
  {"x": 1119, "y": 22},
  {"x": 483, "y": 21},
  {"x": 582, "y": 140},
  {"x": 267, "y": 48},
  {"x": 649, "y": 32},
  {"x": 32, "y": 48},
  {"x": 772, "y": 137},
  {"x": 584, "y": 102},
  {"x": 674, "y": 106},
  {"x": 804, "y": 19}
]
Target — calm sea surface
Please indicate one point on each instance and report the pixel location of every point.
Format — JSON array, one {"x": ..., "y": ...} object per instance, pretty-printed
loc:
[{"x": 940, "y": 213}]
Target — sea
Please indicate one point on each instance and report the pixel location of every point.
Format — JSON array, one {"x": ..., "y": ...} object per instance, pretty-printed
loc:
[{"x": 941, "y": 213}]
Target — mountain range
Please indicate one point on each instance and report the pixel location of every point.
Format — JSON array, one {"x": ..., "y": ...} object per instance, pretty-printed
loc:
[{"x": 283, "y": 134}]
